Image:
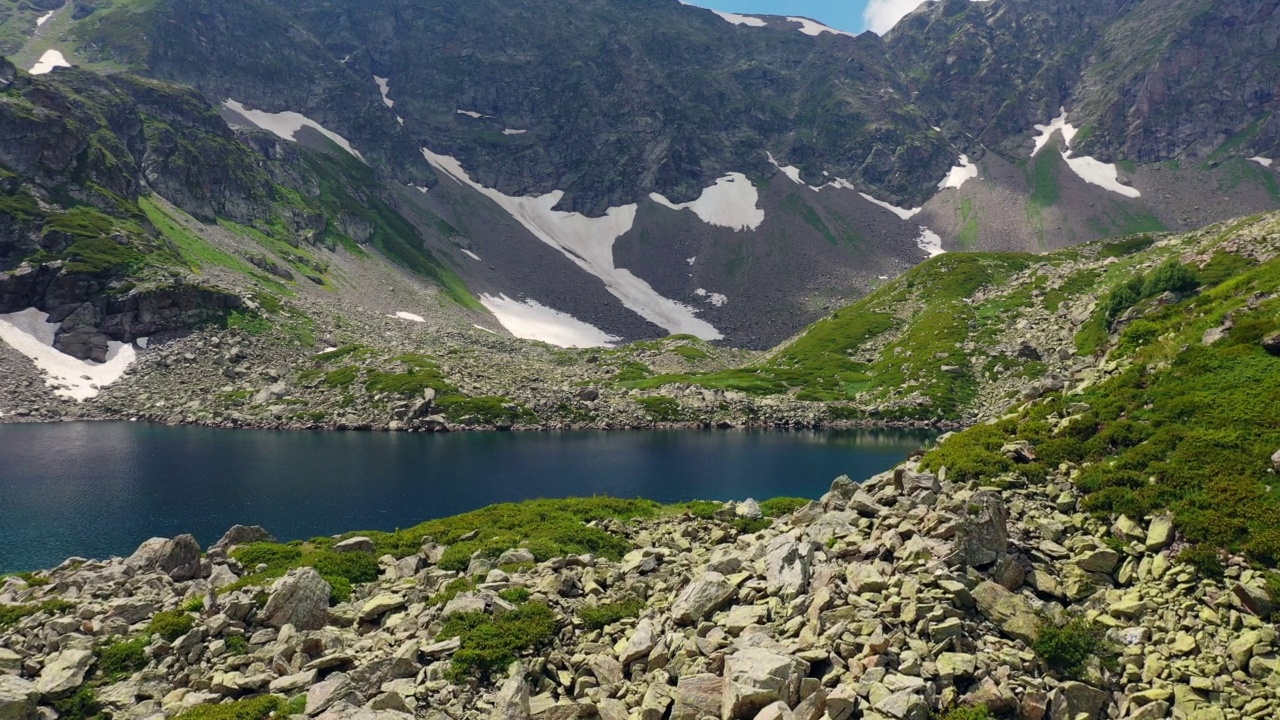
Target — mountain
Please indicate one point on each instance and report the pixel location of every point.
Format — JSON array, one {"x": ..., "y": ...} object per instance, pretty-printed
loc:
[{"x": 602, "y": 171}]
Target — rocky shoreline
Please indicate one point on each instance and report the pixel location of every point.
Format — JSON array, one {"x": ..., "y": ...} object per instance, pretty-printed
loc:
[{"x": 902, "y": 597}]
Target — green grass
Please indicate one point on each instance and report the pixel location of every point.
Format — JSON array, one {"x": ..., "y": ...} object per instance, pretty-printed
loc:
[
  {"x": 255, "y": 708},
  {"x": 12, "y": 614},
  {"x": 491, "y": 643},
  {"x": 171, "y": 625},
  {"x": 340, "y": 570},
  {"x": 596, "y": 617},
  {"x": 660, "y": 409},
  {"x": 1066, "y": 649},
  {"x": 967, "y": 237},
  {"x": 122, "y": 658},
  {"x": 689, "y": 352}
]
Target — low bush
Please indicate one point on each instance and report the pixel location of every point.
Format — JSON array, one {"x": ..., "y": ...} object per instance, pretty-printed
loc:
[
  {"x": 12, "y": 614},
  {"x": 120, "y": 659},
  {"x": 237, "y": 645},
  {"x": 515, "y": 595},
  {"x": 255, "y": 708},
  {"x": 596, "y": 617},
  {"x": 967, "y": 712},
  {"x": 171, "y": 624},
  {"x": 80, "y": 705},
  {"x": 1205, "y": 559},
  {"x": 779, "y": 506},
  {"x": 1067, "y": 648},
  {"x": 660, "y": 409},
  {"x": 490, "y": 643}
]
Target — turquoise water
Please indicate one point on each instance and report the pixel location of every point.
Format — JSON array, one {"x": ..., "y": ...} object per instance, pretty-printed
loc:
[{"x": 100, "y": 489}]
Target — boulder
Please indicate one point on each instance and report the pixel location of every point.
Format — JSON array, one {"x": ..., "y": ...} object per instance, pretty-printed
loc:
[
  {"x": 756, "y": 677},
  {"x": 64, "y": 672},
  {"x": 787, "y": 567},
  {"x": 1254, "y": 599},
  {"x": 18, "y": 699},
  {"x": 358, "y": 544},
  {"x": 903, "y": 705},
  {"x": 334, "y": 689},
  {"x": 1159, "y": 533},
  {"x": 748, "y": 508},
  {"x": 1071, "y": 700},
  {"x": 1008, "y": 611},
  {"x": 178, "y": 558},
  {"x": 512, "y": 700},
  {"x": 982, "y": 532},
  {"x": 242, "y": 535},
  {"x": 379, "y": 605},
  {"x": 697, "y": 697},
  {"x": 642, "y": 642},
  {"x": 1271, "y": 344},
  {"x": 700, "y": 598},
  {"x": 300, "y": 599},
  {"x": 1101, "y": 560}
]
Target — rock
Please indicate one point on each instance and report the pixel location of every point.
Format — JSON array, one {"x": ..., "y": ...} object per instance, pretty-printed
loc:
[
  {"x": 379, "y": 605},
  {"x": 700, "y": 598},
  {"x": 1254, "y": 599},
  {"x": 1275, "y": 461},
  {"x": 865, "y": 578},
  {"x": 1011, "y": 613},
  {"x": 512, "y": 701},
  {"x": 464, "y": 603},
  {"x": 516, "y": 556},
  {"x": 300, "y": 599},
  {"x": 242, "y": 535},
  {"x": 1241, "y": 649},
  {"x": 1127, "y": 529},
  {"x": 755, "y": 677},
  {"x": 1101, "y": 560},
  {"x": 1271, "y": 344},
  {"x": 697, "y": 697},
  {"x": 982, "y": 533},
  {"x": 787, "y": 567},
  {"x": 324, "y": 695},
  {"x": 607, "y": 670},
  {"x": 642, "y": 642},
  {"x": 1072, "y": 700},
  {"x": 903, "y": 705},
  {"x": 178, "y": 558},
  {"x": 64, "y": 673},
  {"x": 357, "y": 544},
  {"x": 748, "y": 508},
  {"x": 1159, "y": 533},
  {"x": 842, "y": 702},
  {"x": 775, "y": 711},
  {"x": 956, "y": 665},
  {"x": 18, "y": 698}
]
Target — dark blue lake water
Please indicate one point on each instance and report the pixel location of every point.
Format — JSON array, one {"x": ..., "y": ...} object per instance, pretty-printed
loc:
[{"x": 100, "y": 489}]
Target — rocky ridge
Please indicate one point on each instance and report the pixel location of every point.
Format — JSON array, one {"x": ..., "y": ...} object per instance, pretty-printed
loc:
[{"x": 889, "y": 600}]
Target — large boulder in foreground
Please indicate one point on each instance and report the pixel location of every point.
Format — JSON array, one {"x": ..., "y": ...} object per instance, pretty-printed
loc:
[
  {"x": 178, "y": 558},
  {"x": 1010, "y": 612},
  {"x": 755, "y": 678},
  {"x": 982, "y": 534},
  {"x": 700, "y": 598},
  {"x": 64, "y": 672},
  {"x": 300, "y": 599},
  {"x": 242, "y": 535},
  {"x": 17, "y": 698}
]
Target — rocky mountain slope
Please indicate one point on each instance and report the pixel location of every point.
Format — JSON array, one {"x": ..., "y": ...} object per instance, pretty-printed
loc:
[{"x": 603, "y": 171}]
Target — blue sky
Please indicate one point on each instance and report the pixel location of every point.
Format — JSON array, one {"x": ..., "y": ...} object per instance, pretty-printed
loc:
[{"x": 848, "y": 15}]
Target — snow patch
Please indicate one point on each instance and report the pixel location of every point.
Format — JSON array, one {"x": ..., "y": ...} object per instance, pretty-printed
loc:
[
  {"x": 40, "y": 21},
  {"x": 730, "y": 203},
  {"x": 509, "y": 131},
  {"x": 384, "y": 89},
  {"x": 1264, "y": 162},
  {"x": 900, "y": 212},
  {"x": 30, "y": 333},
  {"x": 692, "y": 260},
  {"x": 472, "y": 114},
  {"x": 481, "y": 327},
  {"x": 287, "y": 124},
  {"x": 715, "y": 299},
  {"x": 790, "y": 171},
  {"x": 48, "y": 61},
  {"x": 471, "y": 255},
  {"x": 588, "y": 242},
  {"x": 402, "y": 315},
  {"x": 814, "y": 28},
  {"x": 930, "y": 242},
  {"x": 531, "y": 320},
  {"x": 737, "y": 19},
  {"x": 1091, "y": 170},
  {"x": 959, "y": 174}
]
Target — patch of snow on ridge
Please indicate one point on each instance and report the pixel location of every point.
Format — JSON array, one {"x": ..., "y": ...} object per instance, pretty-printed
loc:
[
  {"x": 472, "y": 114},
  {"x": 30, "y": 333},
  {"x": 730, "y": 203},
  {"x": 930, "y": 242},
  {"x": 814, "y": 28},
  {"x": 509, "y": 131},
  {"x": 384, "y": 89},
  {"x": 1091, "y": 170},
  {"x": 40, "y": 21},
  {"x": 900, "y": 212},
  {"x": 714, "y": 298},
  {"x": 588, "y": 242},
  {"x": 471, "y": 255},
  {"x": 790, "y": 171},
  {"x": 1264, "y": 162},
  {"x": 737, "y": 19},
  {"x": 287, "y": 124},
  {"x": 48, "y": 61},
  {"x": 402, "y": 315},
  {"x": 966, "y": 170},
  {"x": 531, "y": 320}
]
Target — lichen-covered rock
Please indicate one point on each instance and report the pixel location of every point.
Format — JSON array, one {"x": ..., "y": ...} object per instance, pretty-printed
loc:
[
  {"x": 300, "y": 599},
  {"x": 178, "y": 558}
]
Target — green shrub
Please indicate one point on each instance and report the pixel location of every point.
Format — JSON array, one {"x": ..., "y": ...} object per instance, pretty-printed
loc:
[
  {"x": 660, "y": 409},
  {"x": 492, "y": 643},
  {"x": 171, "y": 624},
  {"x": 747, "y": 526},
  {"x": 193, "y": 605},
  {"x": 12, "y": 614},
  {"x": 596, "y": 617},
  {"x": 237, "y": 645},
  {"x": 1067, "y": 648},
  {"x": 255, "y": 708},
  {"x": 452, "y": 590},
  {"x": 1127, "y": 247},
  {"x": 120, "y": 659},
  {"x": 1205, "y": 559},
  {"x": 779, "y": 506},
  {"x": 515, "y": 595},
  {"x": 967, "y": 712},
  {"x": 355, "y": 567},
  {"x": 1172, "y": 276},
  {"x": 701, "y": 509},
  {"x": 80, "y": 705},
  {"x": 971, "y": 455}
]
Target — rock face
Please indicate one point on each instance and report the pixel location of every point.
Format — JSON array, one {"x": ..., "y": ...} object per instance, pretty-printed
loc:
[
  {"x": 242, "y": 535},
  {"x": 178, "y": 558},
  {"x": 982, "y": 534},
  {"x": 300, "y": 599},
  {"x": 17, "y": 698}
]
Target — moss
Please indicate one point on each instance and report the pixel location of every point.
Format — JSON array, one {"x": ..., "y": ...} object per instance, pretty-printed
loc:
[
  {"x": 12, "y": 614},
  {"x": 237, "y": 645},
  {"x": 82, "y": 704},
  {"x": 660, "y": 409},
  {"x": 688, "y": 352}
]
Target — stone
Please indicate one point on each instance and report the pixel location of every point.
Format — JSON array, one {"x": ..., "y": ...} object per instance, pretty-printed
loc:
[
  {"x": 775, "y": 711},
  {"x": 516, "y": 556},
  {"x": 18, "y": 698},
  {"x": 903, "y": 705},
  {"x": 1254, "y": 599},
  {"x": 178, "y": 558},
  {"x": 642, "y": 642},
  {"x": 464, "y": 603},
  {"x": 242, "y": 535},
  {"x": 332, "y": 690},
  {"x": 1240, "y": 650},
  {"x": 865, "y": 578},
  {"x": 1071, "y": 700},
  {"x": 300, "y": 599},
  {"x": 842, "y": 703},
  {"x": 748, "y": 508},
  {"x": 64, "y": 672},
  {"x": 697, "y": 697},
  {"x": 700, "y": 598},
  {"x": 755, "y": 677},
  {"x": 787, "y": 567},
  {"x": 358, "y": 544},
  {"x": 1008, "y": 611},
  {"x": 1127, "y": 529},
  {"x": 656, "y": 702},
  {"x": 1100, "y": 560},
  {"x": 1271, "y": 344},
  {"x": 982, "y": 533},
  {"x": 607, "y": 670},
  {"x": 1159, "y": 533},
  {"x": 512, "y": 700},
  {"x": 956, "y": 665},
  {"x": 379, "y": 605}
]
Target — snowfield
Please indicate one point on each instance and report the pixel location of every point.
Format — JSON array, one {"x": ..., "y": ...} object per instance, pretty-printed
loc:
[
  {"x": 471, "y": 114},
  {"x": 1264, "y": 162},
  {"x": 733, "y": 18},
  {"x": 471, "y": 255},
  {"x": 40, "y": 21},
  {"x": 30, "y": 333},
  {"x": 1091, "y": 170},
  {"x": 384, "y": 89},
  {"x": 48, "y": 61},
  {"x": 930, "y": 242},
  {"x": 790, "y": 171},
  {"x": 900, "y": 212},
  {"x": 959, "y": 174},
  {"x": 509, "y": 131},
  {"x": 287, "y": 124},
  {"x": 588, "y": 242},
  {"x": 402, "y": 315},
  {"x": 730, "y": 203},
  {"x": 715, "y": 299},
  {"x": 811, "y": 27},
  {"x": 531, "y": 320}
]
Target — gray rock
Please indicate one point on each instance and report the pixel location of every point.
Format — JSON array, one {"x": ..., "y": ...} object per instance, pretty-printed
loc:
[
  {"x": 1254, "y": 599},
  {"x": 755, "y": 677},
  {"x": 642, "y": 642},
  {"x": 1071, "y": 700},
  {"x": 464, "y": 603},
  {"x": 787, "y": 567},
  {"x": 697, "y": 697},
  {"x": 700, "y": 598},
  {"x": 748, "y": 508},
  {"x": 358, "y": 544},
  {"x": 903, "y": 705},
  {"x": 1159, "y": 533},
  {"x": 1101, "y": 560},
  {"x": 18, "y": 698},
  {"x": 982, "y": 532},
  {"x": 64, "y": 672},
  {"x": 178, "y": 558},
  {"x": 300, "y": 599},
  {"x": 379, "y": 605},
  {"x": 1011, "y": 613},
  {"x": 334, "y": 689},
  {"x": 512, "y": 700},
  {"x": 242, "y": 535}
]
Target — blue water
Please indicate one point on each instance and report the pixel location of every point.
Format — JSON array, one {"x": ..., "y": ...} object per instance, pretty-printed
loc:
[{"x": 100, "y": 489}]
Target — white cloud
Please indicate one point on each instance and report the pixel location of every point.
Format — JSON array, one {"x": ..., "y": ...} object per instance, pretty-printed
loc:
[{"x": 882, "y": 15}]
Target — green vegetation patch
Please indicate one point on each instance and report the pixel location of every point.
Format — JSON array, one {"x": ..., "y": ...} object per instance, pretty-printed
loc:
[
  {"x": 255, "y": 708},
  {"x": 122, "y": 658},
  {"x": 267, "y": 561},
  {"x": 171, "y": 624},
  {"x": 1066, "y": 649},
  {"x": 491, "y": 643},
  {"x": 13, "y": 614},
  {"x": 596, "y": 617}
]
